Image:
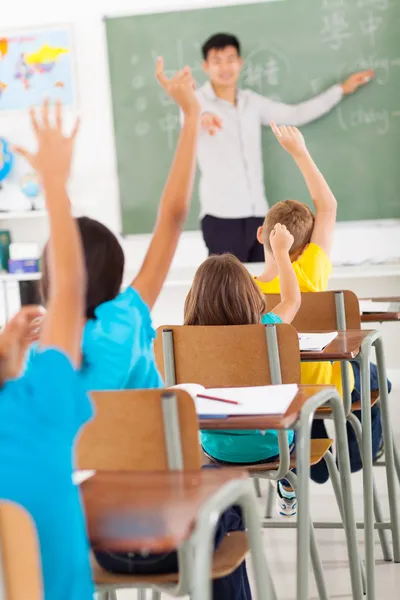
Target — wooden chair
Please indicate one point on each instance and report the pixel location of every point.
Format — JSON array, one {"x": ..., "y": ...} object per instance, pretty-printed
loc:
[
  {"x": 128, "y": 434},
  {"x": 20, "y": 554},
  {"x": 234, "y": 357},
  {"x": 319, "y": 312}
]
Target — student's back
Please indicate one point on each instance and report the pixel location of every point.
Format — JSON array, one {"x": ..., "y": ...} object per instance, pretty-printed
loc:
[
  {"x": 40, "y": 415},
  {"x": 117, "y": 345}
]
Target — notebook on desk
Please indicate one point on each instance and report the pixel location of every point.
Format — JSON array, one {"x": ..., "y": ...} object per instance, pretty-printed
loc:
[
  {"x": 373, "y": 306},
  {"x": 226, "y": 402},
  {"x": 315, "y": 342}
]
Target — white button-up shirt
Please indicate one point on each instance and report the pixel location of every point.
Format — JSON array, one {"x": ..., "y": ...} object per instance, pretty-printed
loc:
[{"x": 231, "y": 168}]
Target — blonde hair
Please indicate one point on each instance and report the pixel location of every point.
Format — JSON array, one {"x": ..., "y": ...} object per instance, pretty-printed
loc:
[
  {"x": 223, "y": 293},
  {"x": 298, "y": 218}
]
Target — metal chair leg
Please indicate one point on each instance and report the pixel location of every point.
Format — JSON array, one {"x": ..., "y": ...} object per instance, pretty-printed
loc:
[
  {"x": 387, "y": 553},
  {"x": 315, "y": 557},
  {"x": 270, "y": 501},
  {"x": 353, "y": 549},
  {"x": 257, "y": 486},
  {"x": 389, "y": 448},
  {"x": 396, "y": 459}
]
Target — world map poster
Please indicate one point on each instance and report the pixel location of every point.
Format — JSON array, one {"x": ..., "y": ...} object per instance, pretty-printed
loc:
[{"x": 35, "y": 65}]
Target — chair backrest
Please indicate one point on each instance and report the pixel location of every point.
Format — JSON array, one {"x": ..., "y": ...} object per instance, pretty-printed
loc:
[
  {"x": 318, "y": 311},
  {"x": 20, "y": 554},
  {"x": 127, "y": 432},
  {"x": 232, "y": 356}
]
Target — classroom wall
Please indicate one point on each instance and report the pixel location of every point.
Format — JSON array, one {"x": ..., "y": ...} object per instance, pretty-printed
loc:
[{"x": 94, "y": 186}]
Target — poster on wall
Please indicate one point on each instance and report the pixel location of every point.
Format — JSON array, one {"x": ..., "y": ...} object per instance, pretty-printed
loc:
[{"x": 36, "y": 64}]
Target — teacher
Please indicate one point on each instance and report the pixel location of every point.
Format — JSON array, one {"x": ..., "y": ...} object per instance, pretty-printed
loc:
[{"x": 232, "y": 196}]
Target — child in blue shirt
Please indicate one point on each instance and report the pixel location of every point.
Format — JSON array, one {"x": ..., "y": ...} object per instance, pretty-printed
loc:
[
  {"x": 224, "y": 293},
  {"x": 42, "y": 411}
]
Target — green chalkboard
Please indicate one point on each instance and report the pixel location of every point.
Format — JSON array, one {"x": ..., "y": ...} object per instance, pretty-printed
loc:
[{"x": 292, "y": 49}]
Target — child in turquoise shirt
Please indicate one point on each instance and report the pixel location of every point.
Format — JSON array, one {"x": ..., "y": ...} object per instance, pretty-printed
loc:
[
  {"x": 42, "y": 411},
  {"x": 224, "y": 293}
]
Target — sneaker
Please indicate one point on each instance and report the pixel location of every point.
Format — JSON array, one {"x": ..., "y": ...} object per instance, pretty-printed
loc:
[{"x": 286, "y": 502}]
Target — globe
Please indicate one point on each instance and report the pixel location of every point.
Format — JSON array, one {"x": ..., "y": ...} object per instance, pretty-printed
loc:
[
  {"x": 30, "y": 185},
  {"x": 6, "y": 159}
]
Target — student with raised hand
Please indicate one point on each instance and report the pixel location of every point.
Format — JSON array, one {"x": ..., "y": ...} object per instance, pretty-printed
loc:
[
  {"x": 42, "y": 411},
  {"x": 117, "y": 346},
  {"x": 310, "y": 255},
  {"x": 224, "y": 293}
]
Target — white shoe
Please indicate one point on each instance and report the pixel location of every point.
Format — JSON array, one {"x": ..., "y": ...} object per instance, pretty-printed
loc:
[{"x": 287, "y": 507}]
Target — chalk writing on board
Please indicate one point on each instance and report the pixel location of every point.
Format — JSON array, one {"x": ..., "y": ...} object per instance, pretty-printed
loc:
[
  {"x": 141, "y": 103},
  {"x": 134, "y": 60},
  {"x": 178, "y": 60},
  {"x": 370, "y": 25},
  {"x": 383, "y": 67},
  {"x": 376, "y": 119},
  {"x": 333, "y": 4},
  {"x": 377, "y": 4},
  {"x": 317, "y": 85},
  {"x": 142, "y": 128},
  {"x": 138, "y": 82},
  {"x": 335, "y": 29},
  {"x": 264, "y": 69},
  {"x": 169, "y": 123}
]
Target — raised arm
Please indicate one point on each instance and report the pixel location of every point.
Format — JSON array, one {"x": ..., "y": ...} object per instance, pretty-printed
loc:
[
  {"x": 324, "y": 201},
  {"x": 62, "y": 326},
  {"x": 175, "y": 201},
  {"x": 313, "y": 109},
  {"x": 281, "y": 241}
]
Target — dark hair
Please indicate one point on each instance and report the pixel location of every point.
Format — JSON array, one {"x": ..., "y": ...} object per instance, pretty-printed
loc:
[
  {"x": 219, "y": 41},
  {"x": 104, "y": 260},
  {"x": 223, "y": 293}
]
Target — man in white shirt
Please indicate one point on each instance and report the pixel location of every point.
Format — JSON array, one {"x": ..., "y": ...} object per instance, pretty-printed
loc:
[{"x": 232, "y": 194}]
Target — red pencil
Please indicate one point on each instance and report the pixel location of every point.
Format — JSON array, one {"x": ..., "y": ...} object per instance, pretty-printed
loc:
[{"x": 217, "y": 399}]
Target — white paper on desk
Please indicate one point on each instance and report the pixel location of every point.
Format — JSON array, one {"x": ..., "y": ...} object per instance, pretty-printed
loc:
[
  {"x": 79, "y": 477},
  {"x": 370, "y": 306},
  {"x": 259, "y": 400},
  {"x": 315, "y": 342}
]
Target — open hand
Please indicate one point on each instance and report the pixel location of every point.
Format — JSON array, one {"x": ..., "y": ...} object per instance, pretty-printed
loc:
[
  {"x": 280, "y": 239},
  {"x": 290, "y": 138},
  {"x": 17, "y": 335},
  {"x": 210, "y": 123},
  {"x": 181, "y": 88},
  {"x": 53, "y": 158},
  {"x": 356, "y": 81}
]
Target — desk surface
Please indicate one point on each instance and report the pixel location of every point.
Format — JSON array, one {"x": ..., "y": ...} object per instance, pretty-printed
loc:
[
  {"x": 133, "y": 511},
  {"x": 384, "y": 317},
  {"x": 264, "y": 422},
  {"x": 346, "y": 346}
]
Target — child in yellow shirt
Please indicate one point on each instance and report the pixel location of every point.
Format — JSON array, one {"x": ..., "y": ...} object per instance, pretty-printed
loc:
[{"x": 310, "y": 255}]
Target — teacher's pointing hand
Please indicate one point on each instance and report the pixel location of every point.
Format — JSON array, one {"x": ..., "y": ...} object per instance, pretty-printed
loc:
[{"x": 356, "y": 81}]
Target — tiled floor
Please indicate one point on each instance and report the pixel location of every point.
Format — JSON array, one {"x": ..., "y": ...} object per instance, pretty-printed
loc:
[{"x": 280, "y": 545}]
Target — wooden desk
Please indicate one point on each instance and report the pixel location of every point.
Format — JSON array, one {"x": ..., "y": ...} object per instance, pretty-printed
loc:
[
  {"x": 264, "y": 422},
  {"x": 383, "y": 317},
  {"x": 133, "y": 511},
  {"x": 346, "y": 346}
]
